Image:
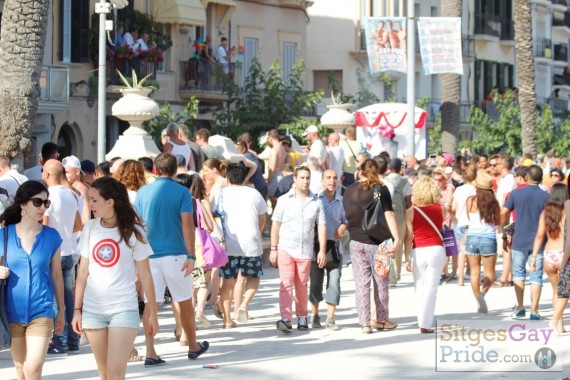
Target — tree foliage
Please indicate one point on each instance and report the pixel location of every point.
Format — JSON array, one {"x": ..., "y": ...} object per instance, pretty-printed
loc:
[
  {"x": 499, "y": 130},
  {"x": 266, "y": 101}
]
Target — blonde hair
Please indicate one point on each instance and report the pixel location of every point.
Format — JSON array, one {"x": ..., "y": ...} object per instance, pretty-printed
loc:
[{"x": 426, "y": 192}]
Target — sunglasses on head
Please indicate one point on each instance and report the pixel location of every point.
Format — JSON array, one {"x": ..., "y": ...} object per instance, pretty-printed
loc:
[{"x": 37, "y": 202}]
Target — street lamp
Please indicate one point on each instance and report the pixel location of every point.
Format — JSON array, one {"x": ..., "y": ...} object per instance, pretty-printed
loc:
[{"x": 102, "y": 8}]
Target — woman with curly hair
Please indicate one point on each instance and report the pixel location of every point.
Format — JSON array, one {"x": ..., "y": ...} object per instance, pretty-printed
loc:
[
  {"x": 424, "y": 251},
  {"x": 551, "y": 225},
  {"x": 114, "y": 250},
  {"x": 483, "y": 212},
  {"x": 131, "y": 174},
  {"x": 364, "y": 249}
]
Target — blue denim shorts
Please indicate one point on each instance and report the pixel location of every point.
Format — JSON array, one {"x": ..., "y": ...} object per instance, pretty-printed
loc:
[
  {"x": 461, "y": 234},
  {"x": 94, "y": 321},
  {"x": 520, "y": 259},
  {"x": 479, "y": 245}
]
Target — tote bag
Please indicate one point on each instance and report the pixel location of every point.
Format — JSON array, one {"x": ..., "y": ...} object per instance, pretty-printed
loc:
[
  {"x": 213, "y": 254},
  {"x": 374, "y": 221}
]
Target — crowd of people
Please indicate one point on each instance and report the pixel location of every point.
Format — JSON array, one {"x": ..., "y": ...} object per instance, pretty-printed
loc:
[{"x": 96, "y": 249}]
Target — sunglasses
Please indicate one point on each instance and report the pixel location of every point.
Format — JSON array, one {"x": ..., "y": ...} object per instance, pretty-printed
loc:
[
  {"x": 301, "y": 167},
  {"x": 38, "y": 202}
]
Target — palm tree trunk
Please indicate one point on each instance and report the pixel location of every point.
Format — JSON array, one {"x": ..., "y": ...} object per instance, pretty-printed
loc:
[
  {"x": 24, "y": 24},
  {"x": 525, "y": 73},
  {"x": 450, "y": 92}
]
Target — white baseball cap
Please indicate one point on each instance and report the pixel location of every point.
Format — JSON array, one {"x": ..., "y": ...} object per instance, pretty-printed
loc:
[
  {"x": 311, "y": 129},
  {"x": 73, "y": 162}
]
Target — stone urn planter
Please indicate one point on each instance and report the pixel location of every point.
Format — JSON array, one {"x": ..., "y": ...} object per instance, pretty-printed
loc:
[
  {"x": 135, "y": 107},
  {"x": 338, "y": 117}
]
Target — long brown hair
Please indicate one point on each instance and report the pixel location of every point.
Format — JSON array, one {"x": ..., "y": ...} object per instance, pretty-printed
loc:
[
  {"x": 127, "y": 218},
  {"x": 369, "y": 174},
  {"x": 554, "y": 210},
  {"x": 488, "y": 206}
]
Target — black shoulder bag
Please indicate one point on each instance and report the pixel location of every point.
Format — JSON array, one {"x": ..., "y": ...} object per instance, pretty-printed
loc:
[
  {"x": 5, "y": 339},
  {"x": 374, "y": 222}
]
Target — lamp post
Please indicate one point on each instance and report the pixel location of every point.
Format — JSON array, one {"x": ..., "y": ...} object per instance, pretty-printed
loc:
[
  {"x": 411, "y": 86},
  {"x": 102, "y": 8}
]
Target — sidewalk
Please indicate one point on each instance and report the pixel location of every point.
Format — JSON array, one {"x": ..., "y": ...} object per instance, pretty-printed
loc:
[{"x": 258, "y": 350}]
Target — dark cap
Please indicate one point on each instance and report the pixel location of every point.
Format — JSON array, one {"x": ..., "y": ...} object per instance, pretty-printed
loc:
[
  {"x": 396, "y": 164},
  {"x": 88, "y": 166}
]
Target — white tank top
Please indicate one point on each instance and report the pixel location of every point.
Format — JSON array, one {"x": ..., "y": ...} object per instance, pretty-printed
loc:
[{"x": 183, "y": 150}]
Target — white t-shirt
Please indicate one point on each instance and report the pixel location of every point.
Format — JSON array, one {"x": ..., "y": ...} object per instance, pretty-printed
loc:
[
  {"x": 336, "y": 154},
  {"x": 61, "y": 215},
  {"x": 221, "y": 55},
  {"x": 316, "y": 185},
  {"x": 318, "y": 150},
  {"x": 460, "y": 195},
  {"x": 505, "y": 186},
  {"x": 11, "y": 181},
  {"x": 112, "y": 272},
  {"x": 241, "y": 207}
]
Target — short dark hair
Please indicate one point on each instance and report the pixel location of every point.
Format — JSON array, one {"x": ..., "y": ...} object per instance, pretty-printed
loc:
[
  {"x": 236, "y": 173},
  {"x": 507, "y": 161},
  {"x": 103, "y": 168},
  {"x": 224, "y": 39},
  {"x": 301, "y": 168},
  {"x": 146, "y": 163},
  {"x": 166, "y": 164},
  {"x": 382, "y": 164},
  {"x": 48, "y": 150},
  {"x": 535, "y": 173},
  {"x": 521, "y": 171}
]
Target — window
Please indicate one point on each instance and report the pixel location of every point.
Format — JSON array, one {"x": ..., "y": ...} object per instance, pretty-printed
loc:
[
  {"x": 288, "y": 60},
  {"x": 250, "y": 45},
  {"x": 74, "y": 31},
  {"x": 322, "y": 79},
  {"x": 200, "y": 33}
]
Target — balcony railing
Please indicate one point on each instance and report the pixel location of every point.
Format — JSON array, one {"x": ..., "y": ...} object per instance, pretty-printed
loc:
[
  {"x": 488, "y": 24},
  {"x": 54, "y": 84},
  {"x": 564, "y": 22},
  {"x": 434, "y": 109},
  {"x": 542, "y": 48},
  {"x": 561, "y": 79},
  {"x": 558, "y": 106},
  {"x": 468, "y": 46},
  {"x": 203, "y": 75},
  {"x": 507, "y": 30},
  {"x": 561, "y": 52},
  {"x": 142, "y": 68}
]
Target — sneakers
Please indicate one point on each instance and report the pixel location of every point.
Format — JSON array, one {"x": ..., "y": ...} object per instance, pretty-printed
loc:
[
  {"x": 317, "y": 322},
  {"x": 482, "y": 304},
  {"x": 331, "y": 325},
  {"x": 536, "y": 317},
  {"x": 53, "y": 350},
  {"x": 518, "y": 314},
  {"x": 284, "y": 326},
  {"x": 73, "y": 351},
  {"x": 302, "y": 324}
]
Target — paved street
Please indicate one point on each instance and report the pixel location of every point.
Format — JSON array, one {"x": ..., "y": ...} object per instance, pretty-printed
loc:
[{"x": 257, "y": 350}]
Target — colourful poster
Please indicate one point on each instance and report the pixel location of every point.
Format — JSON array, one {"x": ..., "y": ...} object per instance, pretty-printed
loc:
[
  {"x": 440, "y": 45},
  {"x": 386, "y": 44}
]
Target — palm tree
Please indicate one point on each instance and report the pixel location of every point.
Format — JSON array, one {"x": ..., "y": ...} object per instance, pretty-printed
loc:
[
  {"x": 525, "y": 72},
  {"x": 24, "y": 25},
  {"x": 450, "y": 91}
]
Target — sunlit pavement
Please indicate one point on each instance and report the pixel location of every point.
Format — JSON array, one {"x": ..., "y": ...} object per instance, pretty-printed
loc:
[{"x": 256, "y": 350}]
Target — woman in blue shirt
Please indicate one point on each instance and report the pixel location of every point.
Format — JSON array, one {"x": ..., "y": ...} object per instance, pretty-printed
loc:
[{"x": 34, "y": 278}]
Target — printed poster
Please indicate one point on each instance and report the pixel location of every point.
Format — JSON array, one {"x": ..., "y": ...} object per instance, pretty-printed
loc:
[
  {"x": 386, "y": 44},
  {"x": 440, "y": 45}
]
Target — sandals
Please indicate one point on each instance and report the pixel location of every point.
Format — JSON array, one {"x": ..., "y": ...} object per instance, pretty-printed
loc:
[
  {"x": 502, "y": 284},
  {"x": 232, "y": 325},
  {"x": 366, "y": 330},
  {"x": 242, "y": 316},
  {"x": 426, "y": 331},
  {"x": 381, "y": 326}
]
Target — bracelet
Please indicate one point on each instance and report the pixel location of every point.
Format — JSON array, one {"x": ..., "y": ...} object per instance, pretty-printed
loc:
[
  {"x": 190, "y": 257},
  {"x": 80, "y": 309},
  {"x": 61, "y": 308},
  {"x": 274, "y": 248}
]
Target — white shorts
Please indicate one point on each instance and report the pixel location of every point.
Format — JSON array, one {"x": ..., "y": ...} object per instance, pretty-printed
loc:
[{"x": 166, "y": 271}]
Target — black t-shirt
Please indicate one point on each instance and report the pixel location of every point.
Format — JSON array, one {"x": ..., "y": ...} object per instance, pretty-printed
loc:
[{"x": 355, "y": 200}]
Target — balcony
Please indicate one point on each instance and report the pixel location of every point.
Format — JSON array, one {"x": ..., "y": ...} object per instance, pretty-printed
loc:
[
  {"x": 558, "y": 106},
  {"x": 488, "y": 25},
  {"x": 468, "y": 46},
  {"x": 54, "y": 89},
  {"x": 560, "y": 4},
  {"x": 561, "y": 79},
  {"x": 561, "y": 54},
  {"x": 542, "y": 48},
  {"x": 508, "y": 30},
  {"x": 560, "y": 20}
]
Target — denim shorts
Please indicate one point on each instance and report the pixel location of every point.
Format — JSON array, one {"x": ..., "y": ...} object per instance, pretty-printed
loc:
[
  {"x": 461, "y": 234},
  {"x": 479, "y": 245},
  {"x": 94, "y": 321},
  {"x": 520, "y": 259}
]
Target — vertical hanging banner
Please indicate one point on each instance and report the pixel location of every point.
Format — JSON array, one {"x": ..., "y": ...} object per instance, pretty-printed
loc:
[
  {"x": 386, "y": 44},
  {"x": 440, "y": 45}
]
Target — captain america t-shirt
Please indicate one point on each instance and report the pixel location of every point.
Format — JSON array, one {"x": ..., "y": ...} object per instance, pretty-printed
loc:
[{"x": 110, "y": 285}]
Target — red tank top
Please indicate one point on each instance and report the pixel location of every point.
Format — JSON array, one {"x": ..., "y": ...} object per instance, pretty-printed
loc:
[{"x": 424, "y": 234}]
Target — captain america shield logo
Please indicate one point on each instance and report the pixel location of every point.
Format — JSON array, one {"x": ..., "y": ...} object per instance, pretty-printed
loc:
[{"x": 106, "y": 253}]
